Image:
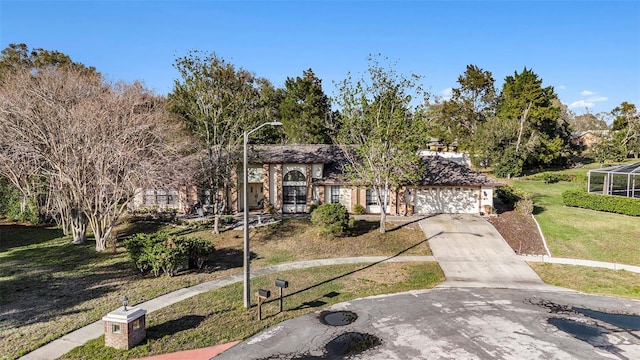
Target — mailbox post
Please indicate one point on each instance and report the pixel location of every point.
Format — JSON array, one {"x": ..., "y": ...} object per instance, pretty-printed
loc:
[
  {"x": 262, "y": 295},
  {"x": 282, "y": 284}
]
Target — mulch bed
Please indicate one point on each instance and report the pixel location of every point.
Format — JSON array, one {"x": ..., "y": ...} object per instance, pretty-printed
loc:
[{"x": 519, "y": 230}]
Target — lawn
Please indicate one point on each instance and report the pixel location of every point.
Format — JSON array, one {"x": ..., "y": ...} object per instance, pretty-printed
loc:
[
  {"x": 579, "y": 233},
  {"x": 49, "y": 287},
  {"x": 218, "y": 317}
]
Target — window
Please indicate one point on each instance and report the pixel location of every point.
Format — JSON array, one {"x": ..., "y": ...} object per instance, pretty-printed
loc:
[
  {"x": 372, "y": 198},
  {"x": 136, "y": 324},
  {"x": 294, "y": 175},
  {"x": 292, "y": 195},
  {"x": 160, "y": 197},
  {"x": 335, "y": 194},
  {"x": 115, "y": 328}
]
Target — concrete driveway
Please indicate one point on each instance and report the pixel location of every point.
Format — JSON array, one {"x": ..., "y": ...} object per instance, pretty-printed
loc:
[{"x": 472, "y": 253}]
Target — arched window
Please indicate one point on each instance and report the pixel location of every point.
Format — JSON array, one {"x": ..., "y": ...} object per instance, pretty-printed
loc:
[{"x": 294, "y": 175}]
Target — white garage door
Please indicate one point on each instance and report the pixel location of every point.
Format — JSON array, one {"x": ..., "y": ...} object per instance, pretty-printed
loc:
[{"x": 446, "y": 200}]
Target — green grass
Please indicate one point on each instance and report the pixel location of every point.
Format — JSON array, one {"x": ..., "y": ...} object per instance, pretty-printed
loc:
[
  {"x": 579, "y": 233},
  {"x": 591, "y": 280},
  {"x": 49, "y": 287},
  {"x": 218, "y": 316}
]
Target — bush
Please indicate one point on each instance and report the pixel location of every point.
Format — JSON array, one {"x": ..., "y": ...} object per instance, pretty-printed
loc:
[
  {"x": 312, "y": 207},
  {"x": 270, "y": 209},
  {"x": 614, "y": 204},
  {"x": 162, "y": 252},
  {"x": 10, "y": 205},
  {"x": 333, "y": 219},
  {"x": 510, "y": 196},
  {"x": 551, "y": 177},
  {"x": 358, "y": 209},
  {"x": 524, "y": 206}
]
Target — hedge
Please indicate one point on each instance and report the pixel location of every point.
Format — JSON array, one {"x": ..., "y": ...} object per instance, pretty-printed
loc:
[
  {"x": 333, "y": 219},
  {"x": 615, "y": 204}
]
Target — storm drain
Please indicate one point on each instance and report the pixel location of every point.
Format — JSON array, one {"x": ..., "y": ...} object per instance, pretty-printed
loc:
[
  {"x": 351, "y": 343},
  {"x": 338, "y": 318}
]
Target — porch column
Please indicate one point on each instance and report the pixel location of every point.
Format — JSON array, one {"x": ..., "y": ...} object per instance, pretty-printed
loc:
[
  {"x": 265, "y": 185},
  {"x": 278, "y": 200}
]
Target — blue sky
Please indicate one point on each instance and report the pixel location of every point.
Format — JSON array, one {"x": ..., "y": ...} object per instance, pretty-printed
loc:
[{"x": 588, "y": 50}]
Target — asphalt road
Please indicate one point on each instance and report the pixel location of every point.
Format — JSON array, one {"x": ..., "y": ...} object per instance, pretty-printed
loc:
[
  {"x": 492, "y": 306},
  {"x": 449, "y": 323}
]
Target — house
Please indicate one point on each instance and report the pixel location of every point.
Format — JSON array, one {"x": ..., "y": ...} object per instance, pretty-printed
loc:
[
  {"x": 586, "y": 139},
  {"x": 293, "y": 177}
]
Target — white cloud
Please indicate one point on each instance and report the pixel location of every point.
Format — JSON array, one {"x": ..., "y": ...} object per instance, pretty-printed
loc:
[
  {"x": 581, "y": 104},
  {"x": 597, "y": 98},
  {"x": 589, "y": 101},
  {"x": 446, "y": 93}
]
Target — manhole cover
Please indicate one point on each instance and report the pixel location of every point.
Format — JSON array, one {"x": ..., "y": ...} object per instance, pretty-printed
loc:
[
  {"x": 337, "y": 318},
  {"x": 351, "y": 343}
]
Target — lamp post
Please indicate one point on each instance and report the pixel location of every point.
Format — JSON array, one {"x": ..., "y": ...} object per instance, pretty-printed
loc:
[{"x": 245, "y": 202}]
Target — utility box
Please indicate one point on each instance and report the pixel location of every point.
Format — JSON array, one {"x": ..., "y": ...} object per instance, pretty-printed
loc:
[{"x": 125, "y": 328}]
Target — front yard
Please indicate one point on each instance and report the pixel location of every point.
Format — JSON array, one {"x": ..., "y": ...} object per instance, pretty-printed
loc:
[{"x": 49, "y": 287}]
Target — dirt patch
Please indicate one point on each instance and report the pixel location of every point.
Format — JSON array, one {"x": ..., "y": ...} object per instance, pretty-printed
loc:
[{"x": 520, "y": 232}]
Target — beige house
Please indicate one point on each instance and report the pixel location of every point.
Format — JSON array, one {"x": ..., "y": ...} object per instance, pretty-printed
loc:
[{"x": 293, "y": 177}]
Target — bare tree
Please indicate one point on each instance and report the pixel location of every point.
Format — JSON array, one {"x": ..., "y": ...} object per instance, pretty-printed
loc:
[
  {"x": 218, "y": 103},
  {"x": 381, "y": 128},
  {"x": 97, "y": 142}
]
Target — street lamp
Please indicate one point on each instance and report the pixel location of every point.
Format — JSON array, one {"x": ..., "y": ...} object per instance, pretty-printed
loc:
[{"x": 245, "y": 202}]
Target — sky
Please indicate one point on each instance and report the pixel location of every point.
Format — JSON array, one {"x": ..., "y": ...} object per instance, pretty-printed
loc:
[{"x": 589, "y": 51}]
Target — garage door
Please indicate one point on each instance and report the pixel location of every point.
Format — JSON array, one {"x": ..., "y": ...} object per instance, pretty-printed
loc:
[{"x": 446, "y": 200}]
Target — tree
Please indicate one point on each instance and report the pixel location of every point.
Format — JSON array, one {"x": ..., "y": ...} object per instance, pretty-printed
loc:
[
  {"x": 22, "y": 168},
  {"x": 382, "y": 124},
  {"x": 542, "y": 137},
  {"x": 471, "y": 104},
  {"x": 586, "y": 122},
  {"x": 218, "y": 103},
  {"x": 627, "y": 123},
  {"x": 96, "y": 143},
  {"x": 306, "y": 111}
]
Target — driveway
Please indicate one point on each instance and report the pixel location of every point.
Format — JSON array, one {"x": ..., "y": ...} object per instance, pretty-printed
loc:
[{"x": 472, "y": 253}]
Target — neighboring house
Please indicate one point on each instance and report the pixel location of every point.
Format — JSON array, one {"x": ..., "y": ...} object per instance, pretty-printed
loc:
[
  {"x": 180, "y": 199},
  {"x": 293, "y": 177},
  {"x": 587, "y": 139},
  {"x": 457, "y": 157}
]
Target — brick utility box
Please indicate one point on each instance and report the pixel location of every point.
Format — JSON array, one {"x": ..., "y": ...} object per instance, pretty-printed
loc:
[{"x": 124, "y": 329}]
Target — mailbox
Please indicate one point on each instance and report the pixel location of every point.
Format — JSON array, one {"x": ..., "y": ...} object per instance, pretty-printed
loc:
[
  {"x": 264, "y": 293},
  {"x": 282, "y": 283}
]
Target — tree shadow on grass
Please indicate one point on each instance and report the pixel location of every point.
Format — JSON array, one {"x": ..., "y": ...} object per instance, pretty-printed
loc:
[
  {"x": 362, "y": 227},
  {"x": 16, "y": 235},
  {"x": 173, "y": 327},
  {"x": 317, "y": 301}
]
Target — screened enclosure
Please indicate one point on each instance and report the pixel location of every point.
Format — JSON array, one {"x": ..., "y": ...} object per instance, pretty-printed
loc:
[{"x": 623, "y": 180}]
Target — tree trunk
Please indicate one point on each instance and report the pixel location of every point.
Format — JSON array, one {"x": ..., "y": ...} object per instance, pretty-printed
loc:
[
  {"x": 78, "y": 227},
  {"x": 216, "y": 224},
  {"x": 523, "y": 119}
]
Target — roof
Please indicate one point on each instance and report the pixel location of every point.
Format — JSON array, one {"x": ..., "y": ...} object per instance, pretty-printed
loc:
[
  {"x": 436, "y": 169},
  {"x": 620, "y": 169},
  {"x": 440, "y": 171},
  {"x": 296, "y": 154}
]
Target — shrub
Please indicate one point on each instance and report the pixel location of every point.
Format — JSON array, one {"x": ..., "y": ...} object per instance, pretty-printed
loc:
[
  {"x": 551, "y": 177},
  {"x": 615, "y": 204},
  {"x": 510, "y": 195},
  {"x": 358, "y": 209},
  {"x": 270, "y": 209},
  {"x": 312, "y": 207},
  {"x": 332, "y": 218},
  {"x": 162, "y": 252},
  {"x": 524, "y": 206}
]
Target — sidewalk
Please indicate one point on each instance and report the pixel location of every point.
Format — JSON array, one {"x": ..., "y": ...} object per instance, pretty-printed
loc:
[{"x": 92, "y": 331}]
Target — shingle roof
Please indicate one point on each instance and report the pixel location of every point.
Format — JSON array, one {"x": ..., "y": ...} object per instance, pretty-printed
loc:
[
  {"x": 296, "y": 154},
  {"x": 436, "y": 170},
  {"x": 440, "y": 171}
]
